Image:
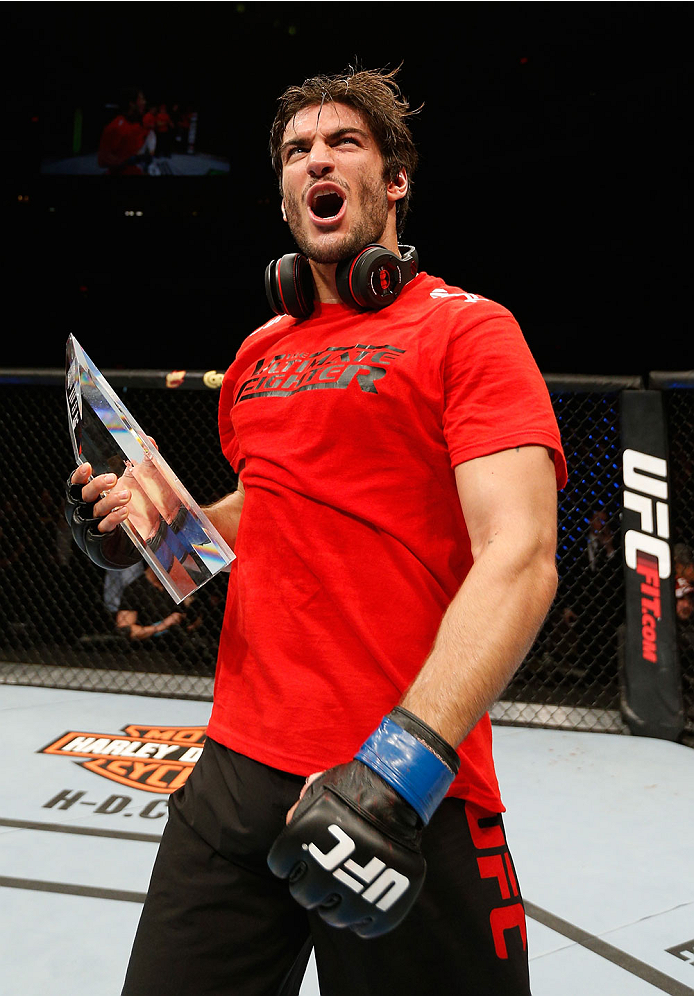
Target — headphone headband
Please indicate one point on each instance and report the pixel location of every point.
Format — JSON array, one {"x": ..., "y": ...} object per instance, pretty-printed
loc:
[{"x": 369, "y": 281}]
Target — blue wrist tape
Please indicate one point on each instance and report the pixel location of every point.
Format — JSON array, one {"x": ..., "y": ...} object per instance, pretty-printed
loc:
[{"x": 414, "y": 771}]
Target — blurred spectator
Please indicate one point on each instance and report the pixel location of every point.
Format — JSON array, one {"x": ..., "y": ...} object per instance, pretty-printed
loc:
[
  {"x": 164, "y": 127},
  {"x": 145, "y": 615},
  {"x": 600, "y": 603},
  {"x": 181, "y": 118},
  {"x": 684, "y": 582},
  {"x": 149, "y": 119},
  {"x": 127, "y": 145},
  {"x": 581, "y": 630},
  {"x": 600, "y": 540},
  {"x": 684, "y": 608},
  {"x": 145, "y": 609},
  {"x": 115, "y": 583},
  {"x": 684, "y": 561}
]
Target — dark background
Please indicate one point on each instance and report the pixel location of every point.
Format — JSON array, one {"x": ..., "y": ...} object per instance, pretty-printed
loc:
[{"x": 552, "y": 172}]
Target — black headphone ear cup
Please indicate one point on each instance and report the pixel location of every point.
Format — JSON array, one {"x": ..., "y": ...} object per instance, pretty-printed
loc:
[
  {"x": 289, "y": 286},
  {"x": 353, "y": 276},
  {"x": 271, "y": 287},
  {"x": 372, "y": 279}
]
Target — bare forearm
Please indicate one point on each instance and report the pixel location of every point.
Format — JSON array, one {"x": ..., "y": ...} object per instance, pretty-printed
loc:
[
  {"x": 486, "y": 632},
  {"x": 225, "y": 515},
  {"x": 138, "y": 633},
  {"x": 127, "y": 620}
]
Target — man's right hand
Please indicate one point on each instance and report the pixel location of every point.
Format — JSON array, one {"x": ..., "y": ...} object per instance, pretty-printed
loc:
[
  {"x": 94, "y": 509},
  {"x": 112, "y": 509}
]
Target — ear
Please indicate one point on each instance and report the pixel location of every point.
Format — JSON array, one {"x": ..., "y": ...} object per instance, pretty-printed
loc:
[
  {"x": 398, "y": 187},
  {"x": 284, "y": 213}
]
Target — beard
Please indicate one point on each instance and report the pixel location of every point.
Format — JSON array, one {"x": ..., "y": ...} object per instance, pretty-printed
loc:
[{"x": 333, "y": 247}]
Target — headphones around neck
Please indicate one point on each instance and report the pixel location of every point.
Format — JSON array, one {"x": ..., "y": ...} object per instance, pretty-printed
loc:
[{"x": 371, "y": 280}]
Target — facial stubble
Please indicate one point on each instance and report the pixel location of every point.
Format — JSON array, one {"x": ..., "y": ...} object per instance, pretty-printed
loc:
[{"x": 367, "y": 229}]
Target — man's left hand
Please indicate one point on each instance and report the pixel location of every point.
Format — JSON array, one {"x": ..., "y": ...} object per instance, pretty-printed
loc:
[{"x": 351, "y": 849}]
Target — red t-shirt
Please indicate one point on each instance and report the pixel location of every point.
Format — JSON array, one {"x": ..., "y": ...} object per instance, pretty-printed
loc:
[
  {"x": 120, "y": 140},
  {"x": 163, "y": 122},
  {"x": 352, "y": 541}
]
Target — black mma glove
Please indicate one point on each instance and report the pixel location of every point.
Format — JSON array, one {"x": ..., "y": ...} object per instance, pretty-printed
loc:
[
  {"x": 113, "y": 550},
  {"x": 352, "y": 850}
]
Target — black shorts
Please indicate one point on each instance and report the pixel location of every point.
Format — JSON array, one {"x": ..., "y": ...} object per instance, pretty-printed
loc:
[{"x": 217, "y": 922}]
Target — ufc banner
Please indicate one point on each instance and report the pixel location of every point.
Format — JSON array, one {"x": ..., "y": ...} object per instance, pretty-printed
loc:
[{"x": 652, "y": 690}]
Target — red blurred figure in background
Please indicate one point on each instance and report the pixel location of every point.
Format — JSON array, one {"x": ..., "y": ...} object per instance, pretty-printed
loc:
[{"x": 126, "y": 147}]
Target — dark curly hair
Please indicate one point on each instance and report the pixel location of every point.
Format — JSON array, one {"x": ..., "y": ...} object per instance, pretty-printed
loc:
[{"x": 376, "y": 95}]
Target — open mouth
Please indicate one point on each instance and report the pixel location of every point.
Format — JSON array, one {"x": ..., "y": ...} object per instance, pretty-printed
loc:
[{"x": 327, "y": 205}]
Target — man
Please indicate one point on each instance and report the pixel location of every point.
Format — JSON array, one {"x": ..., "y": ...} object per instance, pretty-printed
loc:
[
  {"x": 127, "y": 144},
  {"x": 145, "y": 611},
  {"x": 397, "y": 469}
]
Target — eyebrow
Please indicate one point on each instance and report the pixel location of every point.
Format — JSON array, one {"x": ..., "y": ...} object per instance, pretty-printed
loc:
[{"x": 332, "y": 136}]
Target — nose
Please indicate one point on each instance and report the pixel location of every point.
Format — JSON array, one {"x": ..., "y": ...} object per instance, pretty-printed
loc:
[{"x": 320, "y": 162}]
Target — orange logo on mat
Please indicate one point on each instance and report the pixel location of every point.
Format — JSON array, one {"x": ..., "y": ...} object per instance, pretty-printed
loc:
[{"x": 149, "y": 758}]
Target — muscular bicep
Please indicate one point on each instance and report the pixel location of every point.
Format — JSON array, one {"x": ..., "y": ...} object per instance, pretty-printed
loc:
[{"x": 510, "y": 499}]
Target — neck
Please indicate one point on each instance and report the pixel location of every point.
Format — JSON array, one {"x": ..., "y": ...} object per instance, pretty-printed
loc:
[{"x": 324, "y": 282}]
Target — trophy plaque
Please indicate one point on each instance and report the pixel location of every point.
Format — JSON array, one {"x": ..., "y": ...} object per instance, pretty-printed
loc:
[{"x": 165, "y": 524}]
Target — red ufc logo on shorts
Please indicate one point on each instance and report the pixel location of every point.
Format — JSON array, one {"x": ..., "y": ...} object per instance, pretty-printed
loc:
[{"x": 488, "y": 836}]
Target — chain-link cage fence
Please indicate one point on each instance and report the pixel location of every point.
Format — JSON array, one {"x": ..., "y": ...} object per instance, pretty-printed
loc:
[
  {"x": 678, "y": 396},
  {"x": 570, "y": 678},
  {"x": 59, "y": 611}
]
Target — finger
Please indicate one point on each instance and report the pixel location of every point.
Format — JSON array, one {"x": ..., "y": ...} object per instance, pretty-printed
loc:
[
  {"x": 311, "y": 778},
  {"x": 113, "y": 519},
  {"x": 111, "y": 501},
  {"x": 92, "y": 489},
  {"x": 81, "y": 474}
]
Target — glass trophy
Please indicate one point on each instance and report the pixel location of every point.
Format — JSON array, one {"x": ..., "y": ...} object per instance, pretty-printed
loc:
[{"x": 166, "y": 525}]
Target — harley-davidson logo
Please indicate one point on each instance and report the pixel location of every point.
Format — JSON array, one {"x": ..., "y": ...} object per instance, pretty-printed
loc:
[{"x": 150, "y": 758}]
